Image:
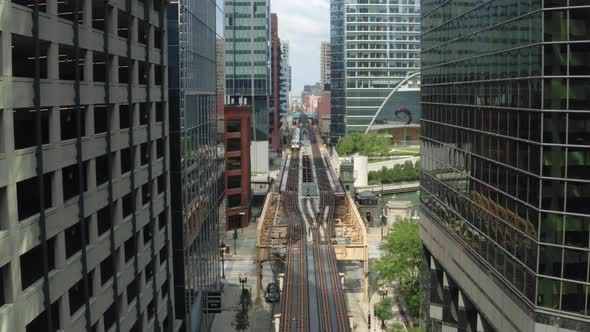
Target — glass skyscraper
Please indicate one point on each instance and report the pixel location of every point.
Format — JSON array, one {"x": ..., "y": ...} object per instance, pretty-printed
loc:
[
  {"x": 376, "y": 46},
  {"x": 196, "y": 162},
  {"x": 247, "y": 60},
  {"x": 505, "y": 184}
]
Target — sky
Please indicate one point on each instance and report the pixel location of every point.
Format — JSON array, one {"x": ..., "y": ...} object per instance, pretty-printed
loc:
[{"x": 305, "y": 24}]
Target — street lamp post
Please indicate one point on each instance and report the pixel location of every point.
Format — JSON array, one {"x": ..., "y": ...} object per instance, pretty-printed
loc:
[
  {"x": 383, "y": 293},
  {"x": 222, "y": 254},
  {"x": 243, "y": 277}
]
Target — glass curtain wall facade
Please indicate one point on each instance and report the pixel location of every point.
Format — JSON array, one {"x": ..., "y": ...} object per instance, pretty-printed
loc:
[
  {"x": 337, "y": 72},
  {"x": 506, "y": 156},
  {"x": 197, "y": 182},
  {"x": 382, "y": 47},
  {"x": 247, "y": 60}
]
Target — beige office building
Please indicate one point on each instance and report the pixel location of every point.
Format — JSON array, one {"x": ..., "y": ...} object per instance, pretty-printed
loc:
[{"x": 84, "y": 203}]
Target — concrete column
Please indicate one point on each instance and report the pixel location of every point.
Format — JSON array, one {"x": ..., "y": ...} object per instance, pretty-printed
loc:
[
  {"x": 5, "y": 54},
  {"x": 54, "y": 126},
  {"x": 115, "y": 124},
  {"x": 88, "y": 70},
  {"x": 91, "y": 174},
  {"x": 277, "y": 320},
  {"x": 114, "y": 70},
  {"x": 51, "y": 7},
  {"x": 89, "y": 121},
  {"x": 113, "y": 21},
  {"x": 53, "y": 61},
  {"x": 281, "y": 281},
  {"x": 60, "y": 250},
  {"x": 87, "y": 13}
]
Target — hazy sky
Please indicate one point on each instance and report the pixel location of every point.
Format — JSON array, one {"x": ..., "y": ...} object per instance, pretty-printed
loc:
[{"x": 305, "y": 24}]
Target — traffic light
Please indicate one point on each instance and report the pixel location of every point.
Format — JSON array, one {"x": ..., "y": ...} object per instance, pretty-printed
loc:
[{"x": 368, "y": 215}]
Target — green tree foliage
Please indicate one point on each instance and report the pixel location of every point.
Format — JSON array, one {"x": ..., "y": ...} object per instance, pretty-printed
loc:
[
  {"x": 383, "y": 309},
  {"x": 406, "y": 172},
  {"x": 241, "y": 320},
  {"x": 372, "y": 145},
  {"x": 401, "y": 256}
]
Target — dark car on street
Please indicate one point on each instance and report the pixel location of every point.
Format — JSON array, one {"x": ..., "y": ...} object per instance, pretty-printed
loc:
[{"x": 272, "y": 293}]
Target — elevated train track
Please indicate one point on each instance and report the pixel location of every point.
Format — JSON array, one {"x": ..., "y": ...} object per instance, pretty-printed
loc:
[{"x": 313, "y": 297}]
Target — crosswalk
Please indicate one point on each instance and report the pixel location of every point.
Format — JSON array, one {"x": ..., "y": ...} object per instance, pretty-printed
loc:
[{"x": 234, "y": 268}]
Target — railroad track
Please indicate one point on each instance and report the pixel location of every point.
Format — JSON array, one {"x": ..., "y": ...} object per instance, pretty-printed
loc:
[
  {"x": 294, "y": 301},
  {"x": 319, "y": 304}
]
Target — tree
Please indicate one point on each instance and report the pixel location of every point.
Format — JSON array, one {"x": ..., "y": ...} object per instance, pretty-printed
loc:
[
  {"x": 241, "y": 320},
  {"x": 383, "y": 311},
  {"x": 401, "y": 256}
]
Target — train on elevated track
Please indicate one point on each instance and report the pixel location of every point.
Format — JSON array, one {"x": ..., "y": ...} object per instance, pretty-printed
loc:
[{"x": 296, "y": 139}]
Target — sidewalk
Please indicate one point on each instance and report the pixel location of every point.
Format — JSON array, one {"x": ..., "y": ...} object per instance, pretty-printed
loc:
[{"x": 244, "y": 261}]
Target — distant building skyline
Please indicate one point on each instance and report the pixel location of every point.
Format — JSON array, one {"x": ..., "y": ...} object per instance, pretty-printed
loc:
[{"x": 325, "y": 64}]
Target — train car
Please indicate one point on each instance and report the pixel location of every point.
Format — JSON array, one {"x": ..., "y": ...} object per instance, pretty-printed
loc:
[{"x": 296, "y": 139}]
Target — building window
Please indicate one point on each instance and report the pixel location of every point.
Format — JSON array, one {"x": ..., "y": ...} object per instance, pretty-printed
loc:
[
  {"x": 124, "y": 70},
  {"x": 234, "y": 163},
  {"x": 151, "y": 309},
  {"x": 73, "y": 238},
  {"x": 128, "y": 205},
  {"x": 159, "y": 111},
  {"x": 143, "y": 70},
  {"x": 161, "y": 183},
  {"x": 132, "y": 291},
  {"x": 40, "y": 322},
  {"x": 103, "y": 220},
  {"x": 142, "y": 32},
  {"x": 30, "y": 269},
  {"x": 145, "y": 153},
  {"x": 100, "y": 119},
  {"x": 157, "y": 38},
  {"x": 66, "y": 10},
  {"x": 76, "y": 294},
  {"x": 126, "y": 160},
  {"x": 149, "y": 271},
  {"x": 71, "y": 180},
  {"x": 98, "y": 15},
  {"x": 68, "y": 122},
  {"x": 233, "y": 145},
  {"x": 147, "y": 233},
  {"x": 123, "y": 24},
  {"x": 106, "y": 270},
  {"x": 125, "y": 117},
  {"x": 158, "y": 75},
  {"x": 163, "y": 254},
  {"x": 162, "y": 220},
  {"x": 28, "y": 198},
  {"x": 99, "y": 65},
  {"x": 159, "y": 148},
  {"x": 110, "y": 314},
  {"x": 102, "y": 170},
  {"x": 24, "y": 120},
  {"x": 143, "y": 114},
  {"x": 23, "y": 57},
  {"x": 67, "y": 63},
  {"x": 130, "y": 248},
  {"x": 233, "y": 126},
  {"x": 234, "y": 201},
  {"x": 145, "y": 193},
  {"x": 234, "y": 182}
]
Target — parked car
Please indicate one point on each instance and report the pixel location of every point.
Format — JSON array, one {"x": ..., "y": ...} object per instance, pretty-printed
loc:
[{"x": 272, "y": 293}]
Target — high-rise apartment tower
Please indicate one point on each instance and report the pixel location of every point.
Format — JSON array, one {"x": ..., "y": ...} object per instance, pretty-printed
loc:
[
  {"x": 325, "y": 71},
  {"x": 375, "y": 46}
]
